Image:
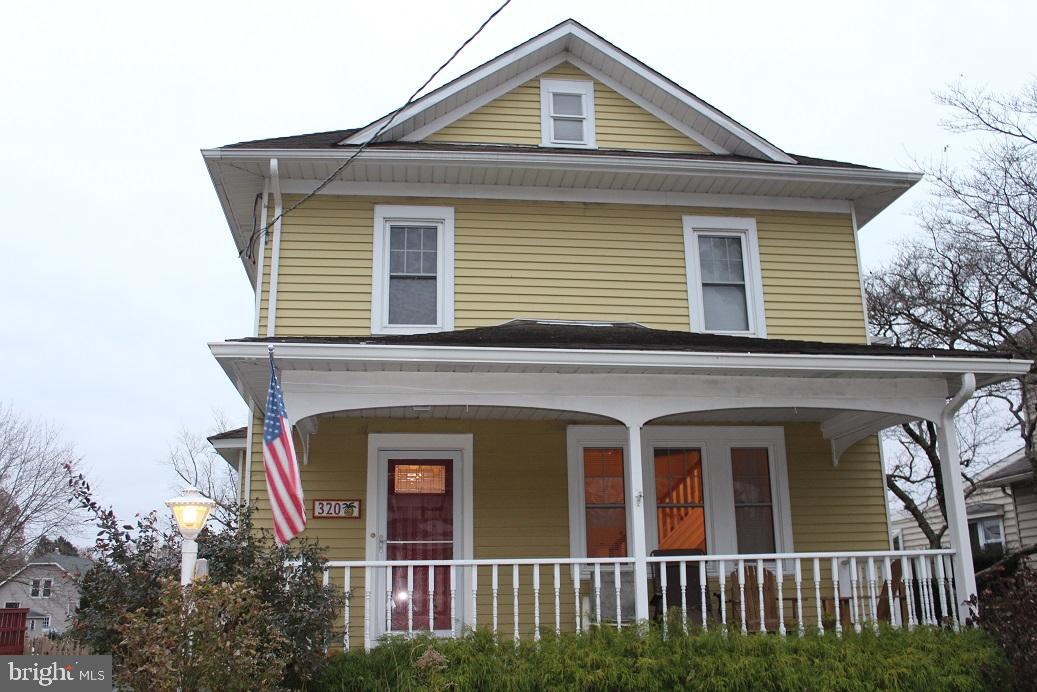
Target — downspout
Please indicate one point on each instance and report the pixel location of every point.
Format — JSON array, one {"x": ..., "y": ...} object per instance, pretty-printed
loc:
[
  {"x": 262, "y": 252},
  {"x": 964, "y": 393},
  {"x": 275, "y": 251}
]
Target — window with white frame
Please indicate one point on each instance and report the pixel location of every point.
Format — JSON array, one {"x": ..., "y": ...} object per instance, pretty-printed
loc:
[
  {"x": 721, "y": 490},
  {"x": 725, "y": 285},
  {"x": 567, "y": 113},
  {"x": 46, "y": 623},
  {"x": 40, "y": 588},
  {"x": 987, "y": 533},
  {"x": 412, "y": 288}
]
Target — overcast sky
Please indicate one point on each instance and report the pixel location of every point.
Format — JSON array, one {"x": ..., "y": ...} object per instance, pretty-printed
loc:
[{"x": 117, "y": 266}]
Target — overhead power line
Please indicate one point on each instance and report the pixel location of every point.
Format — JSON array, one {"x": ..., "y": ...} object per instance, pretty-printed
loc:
[{"x": 261, "y": 231}]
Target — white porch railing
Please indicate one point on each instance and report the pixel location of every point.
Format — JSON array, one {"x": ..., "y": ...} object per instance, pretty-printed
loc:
[{"x": 823, "y": 592}]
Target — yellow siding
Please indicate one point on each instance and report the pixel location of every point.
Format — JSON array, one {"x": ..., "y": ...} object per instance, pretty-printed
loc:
[
  {"x": 521, "y": 501},
  {"x": 514, "y": 118},
  {"x": 567, "y": 260}
]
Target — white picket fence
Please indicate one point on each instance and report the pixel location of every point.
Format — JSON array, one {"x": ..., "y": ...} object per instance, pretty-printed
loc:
[{"x": 824, "y": 592}]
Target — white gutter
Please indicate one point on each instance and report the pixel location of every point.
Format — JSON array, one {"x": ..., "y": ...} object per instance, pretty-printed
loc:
[
  {"x": 597, "y": 162},
  {"x": 968, "y": 388},
  {"x": 275, "y": 250},
  {"x": 918, "y": 365}
]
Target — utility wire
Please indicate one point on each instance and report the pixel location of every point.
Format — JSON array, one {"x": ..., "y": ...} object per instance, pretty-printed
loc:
[{"x": 262, "y": 231}]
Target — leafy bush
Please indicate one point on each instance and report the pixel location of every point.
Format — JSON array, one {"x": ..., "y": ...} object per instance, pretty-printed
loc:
[
  {"x": 609, "y": 659},
  {"x": 133, "y": 562},
  {"x": 207, "y": 636},
  {"x": 1008, "y": 610}
]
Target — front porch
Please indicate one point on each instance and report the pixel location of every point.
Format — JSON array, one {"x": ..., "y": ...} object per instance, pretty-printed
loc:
[{"x": 527, "y": 486}]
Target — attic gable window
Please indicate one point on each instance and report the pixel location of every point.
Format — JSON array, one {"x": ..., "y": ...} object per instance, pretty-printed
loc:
[
  {"x": 567, "y": 113},
  {"x": 412, "y": 289},
  {"x": 725, "y": 285}
]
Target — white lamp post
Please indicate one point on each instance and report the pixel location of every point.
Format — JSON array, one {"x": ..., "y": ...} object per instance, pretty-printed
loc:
[{"x": 190, "y": 511}]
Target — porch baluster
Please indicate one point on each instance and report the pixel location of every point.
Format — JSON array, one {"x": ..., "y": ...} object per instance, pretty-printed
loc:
[
  {"x": 817, "y": 598},
  {"x": 951, "y": 596},
  {"x": 368, "y": 578},
  {"x": 325, "y": 580},
  {"x": 741, "y": 593},
  {"x": 389, "y": 602},
  {"x": 536, "y": 603},
  {"x": 888, "y": 586},
  {"x": 619, "y": 600},
  {"x": 759, "y": 588},
  {"x": 665, "y": 605},
  {"x": 873, "y": 595},
  {"x": 781, "y": 596},
  {"x": 702, "y": 589},
  {"x": 347, "y": 589},
  {"x": 941, "y": 580},
  {"x": 515, "y": 601},
  {"x": 431, "y": 598},
  {"x": 799, "y": 597},
  {"x": 923, "y": 588},
  {"x": 722, "y": 572},
  {"x": 855, "y": 606},
  {"x": 836, "y": 597},
  {"x": 493, "y": 587},
  {"x": 597, "y": 593},
  {"x": 410, "y": 600},
  {"x": 475, "y": 596},
  {"x": 909, "y": 588},
  {"x": 558, "y": 598},
  {"x": 453, "y": 602},
  {"x": 578, "y": 605}
]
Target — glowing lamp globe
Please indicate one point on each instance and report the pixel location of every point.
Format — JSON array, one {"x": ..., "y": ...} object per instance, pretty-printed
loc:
[{"x": 190, "y": 511}]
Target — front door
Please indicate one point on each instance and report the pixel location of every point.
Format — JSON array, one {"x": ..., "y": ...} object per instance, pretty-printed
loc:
[{"x": 420, "y": 525}]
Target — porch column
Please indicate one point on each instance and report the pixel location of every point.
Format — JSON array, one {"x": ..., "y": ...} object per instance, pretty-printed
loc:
[
  {"x": 637, "y": 541},
  {"x": 954, "y": 495}
]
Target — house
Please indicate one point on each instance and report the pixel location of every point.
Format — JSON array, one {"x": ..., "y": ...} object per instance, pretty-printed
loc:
[
  {"x": 1017, "y": 479},
  {"x": 567, "y": 346},
  {"x": 48, "y": 587},
  {"x": 990, "y": 508}
]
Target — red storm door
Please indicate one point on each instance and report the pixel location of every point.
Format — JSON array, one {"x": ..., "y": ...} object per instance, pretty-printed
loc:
[{"x": 420, "y": 526}]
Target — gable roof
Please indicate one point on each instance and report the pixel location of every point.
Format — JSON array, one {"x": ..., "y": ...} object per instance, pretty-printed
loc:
[
  {"x": 574, "y": 43},
  {"x": 1017, "y": 470},
  {"x": 70, "y": 564}
]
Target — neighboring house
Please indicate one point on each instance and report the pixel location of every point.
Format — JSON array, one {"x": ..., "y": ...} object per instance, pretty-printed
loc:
[
  {"x": 230, "y": 445},
  {"x": 563, "y": 315},
  {"x": 992, "y": 518},
  {"x": 47, "y": 586},
  {"x": 1017, "y": 479}
]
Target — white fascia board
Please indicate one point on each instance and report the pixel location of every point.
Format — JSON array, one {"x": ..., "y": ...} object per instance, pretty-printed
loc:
[
  {"x": 749, "y": 362},
  {"x": 597, "y": 162}
]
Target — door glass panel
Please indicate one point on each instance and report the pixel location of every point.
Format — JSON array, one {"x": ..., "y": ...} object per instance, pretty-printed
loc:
[
  {"x": 680, "y": 510},
  {"x": 605, "y": 499},
  {"x": 754, "y": 509},
  {"x": 420, "y": 526}
]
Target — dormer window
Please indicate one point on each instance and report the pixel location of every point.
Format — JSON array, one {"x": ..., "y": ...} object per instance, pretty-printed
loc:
[{"x": 567, "y": 113}]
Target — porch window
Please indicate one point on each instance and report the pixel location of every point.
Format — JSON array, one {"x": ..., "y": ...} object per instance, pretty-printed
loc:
[
  {"x": 724, "y": 281},
  {"x": 567, "y": 113},
  {"x": 754, "y": 508},
  {"x": 680, "y": 508},
  {"x": 412, "y": 289},
  {"x": 604, "y": 501}
]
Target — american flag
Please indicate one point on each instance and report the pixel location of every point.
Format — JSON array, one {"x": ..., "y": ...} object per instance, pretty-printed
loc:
[{"x": 283, "y": 486}]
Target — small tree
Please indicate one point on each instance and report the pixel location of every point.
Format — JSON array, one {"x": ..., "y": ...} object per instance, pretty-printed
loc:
[{"x": 33, "y": 498}]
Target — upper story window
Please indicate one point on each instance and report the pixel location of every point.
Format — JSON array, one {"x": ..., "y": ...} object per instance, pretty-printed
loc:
[
  {"x": 725, "y": 286},
  {"x": 412, "y": 287},
  {"x": 40, "y": 588},
  {"x": 567, "y": 113}
]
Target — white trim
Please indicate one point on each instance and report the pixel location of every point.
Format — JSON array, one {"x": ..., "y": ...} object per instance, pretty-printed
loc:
[
  {"x": 247, "y": 482},
  {"x": 653, "y": 109},
  {"x": 261, "y": 241},
  {"x": 743, "y": 228},
  {"x": 518, "y": 192},
  {"x": 443, "y": 219},
  {"x": 275, "y": 250},
  {"x": 241, "y": 473},
  {"x": 484, "y": 98},
  {"x": 716, "y": 443},
  {"x": 579, "y": 87},
  {"x": 378, "y": 444}
]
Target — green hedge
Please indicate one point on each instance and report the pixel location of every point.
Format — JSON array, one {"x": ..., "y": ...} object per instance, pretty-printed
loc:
[{"x": 610, "y": 660}]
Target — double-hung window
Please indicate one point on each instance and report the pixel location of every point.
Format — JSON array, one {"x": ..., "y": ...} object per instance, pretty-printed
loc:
[
  {"x": 567, "y": 113},
  {"x": 413, "y": 273},
  {"x": 725, "y": 285},
  {"x": 987, "y": 534},
  {"x": 40, "y": 588}
]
